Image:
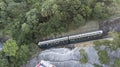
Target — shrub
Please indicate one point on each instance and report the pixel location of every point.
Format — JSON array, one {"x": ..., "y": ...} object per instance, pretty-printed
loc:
[
  {"x": 84, "y": 56},
  {"x": 103, "y": 57}
]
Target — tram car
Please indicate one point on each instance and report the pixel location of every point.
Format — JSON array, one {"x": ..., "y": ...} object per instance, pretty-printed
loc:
[
  {"x": 86, "y": 36},
  {"x": 71, "y": 39},
  {"x": 53, "y": 42}
]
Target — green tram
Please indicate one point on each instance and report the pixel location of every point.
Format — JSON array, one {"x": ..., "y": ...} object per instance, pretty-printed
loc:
[{"x": 71, "y": 39}]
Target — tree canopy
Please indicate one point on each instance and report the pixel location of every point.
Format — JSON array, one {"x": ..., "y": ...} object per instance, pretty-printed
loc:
[
  {"x": 41, "y": 18},
  {"x": 30, "y": 21}
]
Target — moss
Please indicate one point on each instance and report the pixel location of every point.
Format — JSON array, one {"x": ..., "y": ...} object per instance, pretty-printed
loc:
[
  {"x": 103, "y": 57},
  {"x": 84, "y": 56},
  {"x": 116, "y": 63}
]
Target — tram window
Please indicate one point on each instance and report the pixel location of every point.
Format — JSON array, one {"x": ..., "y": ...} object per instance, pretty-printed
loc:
[
  {"x": 56, "y": 42},
  {"x": 71, "y": 40},
  {"x": 61, "y": 42},
  {"x": 64, "y": 41},
  {"x": 76, "y": 39}
]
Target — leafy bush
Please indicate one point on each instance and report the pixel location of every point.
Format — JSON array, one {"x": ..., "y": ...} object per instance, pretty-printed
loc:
[
  {"x": 84, "y": 56},
  {"x": 103, "y": 57}
]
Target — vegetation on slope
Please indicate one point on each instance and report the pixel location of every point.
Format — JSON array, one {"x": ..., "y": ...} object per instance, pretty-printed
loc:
[
  {"x": 84, "y": 55},
  {"x": 113, "y": 45},
  {"x": 29, "y": 21},
  {"x": 103, "y": 57}
]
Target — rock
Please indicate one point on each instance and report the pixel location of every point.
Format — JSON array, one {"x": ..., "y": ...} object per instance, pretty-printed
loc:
[
  {"x": 1, "y": 46},
  {"x": 72, "y": 64},
  {"x": 60, "y": 54},
  {"x": 64, "y": 57},
  {"x": 110, "y": 25},
  {"x": 115, "y": 54},
  {"x": 32, "y": 63}
]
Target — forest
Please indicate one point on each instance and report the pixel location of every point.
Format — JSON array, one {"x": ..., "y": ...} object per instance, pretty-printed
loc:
[{"x": 27, "y": 22}]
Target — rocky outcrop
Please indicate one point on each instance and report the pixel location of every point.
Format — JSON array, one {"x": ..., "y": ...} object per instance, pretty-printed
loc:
[
  {"x": 110, "y": 25},
  {"x": 64, "y": 57}
]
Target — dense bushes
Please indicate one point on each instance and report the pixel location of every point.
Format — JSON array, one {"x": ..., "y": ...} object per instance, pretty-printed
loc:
[
  {"x": 34, "y": 20},
  {"x": 12, "y": 55}
]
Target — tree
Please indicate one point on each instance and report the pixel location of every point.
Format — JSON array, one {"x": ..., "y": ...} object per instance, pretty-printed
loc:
[
  {"x": 3, "y": 60},
  {"x": 10, "y": 49},
  {"x": 98, "y": 10},
  {"x": 22, "y": 55},
  {"x": 29, "y": 21}
]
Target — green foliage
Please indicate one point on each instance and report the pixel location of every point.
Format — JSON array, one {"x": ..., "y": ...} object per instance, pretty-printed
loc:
[
  {"x": 97, "y": 44},
  {"x": 102, "y": 42},
  {"x": 116, "y": 40},
  {"x": 15, "y": 54},
  {"x": 103, "y": 57},
  {"x": 106, "y": 42},
  {"x": 114, "y": 44},
  {"x": 116, "y": 63},
  {"x": 34, "y": 20},
  {"x": 28, "y": 21},
  {"x": 78, "y": 20},
  {"x": 25, "y": 28},
  {"x": 3, "y": 61},
  {"x": 22, "y": 55},
  {"x": 84, "y": 56},
  {"x": 10, "y": 47},
  {"x": 98, "y": 10}
]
